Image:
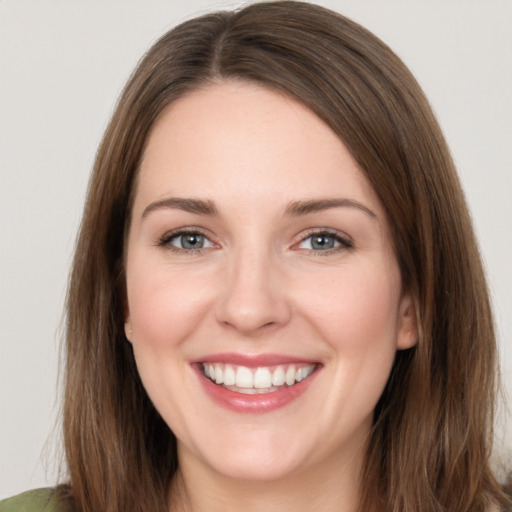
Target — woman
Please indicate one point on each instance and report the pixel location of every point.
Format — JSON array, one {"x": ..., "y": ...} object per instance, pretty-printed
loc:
[{"x": 276, "y": 298}]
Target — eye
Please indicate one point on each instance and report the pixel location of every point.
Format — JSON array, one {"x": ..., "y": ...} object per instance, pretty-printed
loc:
[
  {"x": 324, "y": 241},
  {"x": 185, "y": 240}
]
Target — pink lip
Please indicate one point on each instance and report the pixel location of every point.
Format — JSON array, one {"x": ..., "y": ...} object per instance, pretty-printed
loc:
[
  {"x": 259, "y": 403},
  {"x": 253, "y": 360}
]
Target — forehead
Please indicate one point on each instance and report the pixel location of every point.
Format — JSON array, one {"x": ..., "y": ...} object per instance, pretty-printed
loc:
[{"x": 236, "y": 139}]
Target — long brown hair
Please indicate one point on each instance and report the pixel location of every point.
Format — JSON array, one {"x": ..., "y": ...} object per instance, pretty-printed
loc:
[{"x": 432, "y": 432}]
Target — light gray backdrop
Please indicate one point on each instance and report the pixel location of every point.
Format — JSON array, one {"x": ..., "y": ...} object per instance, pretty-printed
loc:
[{"x": 63, "y": 64}]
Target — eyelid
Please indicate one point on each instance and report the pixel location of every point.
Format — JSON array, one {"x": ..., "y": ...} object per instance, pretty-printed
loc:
[
  {"x": 345, "y": 240},
  {"x": 164, "y": 241}
]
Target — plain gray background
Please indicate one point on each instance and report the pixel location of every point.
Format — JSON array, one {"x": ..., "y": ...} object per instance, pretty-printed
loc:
[{"x": 63, "y": 64}]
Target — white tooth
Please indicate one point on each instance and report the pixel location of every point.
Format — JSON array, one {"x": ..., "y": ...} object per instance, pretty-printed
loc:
[
  {"x": 219, "y": 374},
  {"x": 211, "y": 371},
  {"x": 206, "y": 370},
  {"x": 299, "y": 375},
  {"x": 243, "y": 377},
  {"x": 278, "y": 377},
  {"x": 265, "y": 391},
  {"x": 229, "y": 376},
  {"x": 308, "y": 370},
  {"x": 290, "y": 375},
  {"x": 247, "y": 391},
  {"x": 262, "y": 378}
]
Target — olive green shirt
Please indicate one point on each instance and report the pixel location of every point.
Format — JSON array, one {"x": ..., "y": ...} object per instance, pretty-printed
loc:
[{"x": 38, "y": 500}]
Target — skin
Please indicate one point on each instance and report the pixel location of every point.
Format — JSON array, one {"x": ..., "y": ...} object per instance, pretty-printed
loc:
[{"x": 259, "y": 287}]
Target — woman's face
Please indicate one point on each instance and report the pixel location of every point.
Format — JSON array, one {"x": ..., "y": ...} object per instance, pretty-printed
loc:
[{"x": 264, "y": 300}]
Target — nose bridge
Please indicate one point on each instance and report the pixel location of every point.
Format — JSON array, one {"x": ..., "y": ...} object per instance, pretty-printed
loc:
[{"x": 252, "y": 297}]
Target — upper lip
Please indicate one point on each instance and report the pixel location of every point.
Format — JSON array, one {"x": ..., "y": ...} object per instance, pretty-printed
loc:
[{"x": 253, "y": 360}]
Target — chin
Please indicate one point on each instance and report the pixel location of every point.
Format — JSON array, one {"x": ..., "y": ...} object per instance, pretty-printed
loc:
[
  {"x": 254, "y": 458},
  {"x": 254, "y": 469}
]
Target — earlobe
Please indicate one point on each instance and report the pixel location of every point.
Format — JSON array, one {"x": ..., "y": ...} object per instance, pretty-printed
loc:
[
  {"x": 127, "y": 320},
  {"x": 407, "y": 323},
  {"x": 128, "y": 330}
]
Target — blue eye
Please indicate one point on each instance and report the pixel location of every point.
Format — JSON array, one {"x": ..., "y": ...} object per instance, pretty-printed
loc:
[
  {"x": 324, "y": 242},
  {"x": 186, "y": 241}
]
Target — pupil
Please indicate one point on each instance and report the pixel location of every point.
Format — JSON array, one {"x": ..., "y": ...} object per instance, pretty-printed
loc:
[
  {"x": 322, "y": 242},
  {"x": 192, "y": 241}
]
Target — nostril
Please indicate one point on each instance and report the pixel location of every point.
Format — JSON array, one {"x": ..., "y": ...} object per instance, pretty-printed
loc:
[
  {"x": 252, "y": 301},
  {"x": 251, "y": 328}
]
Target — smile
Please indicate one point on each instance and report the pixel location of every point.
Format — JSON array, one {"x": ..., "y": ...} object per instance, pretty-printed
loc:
[
  {"x": 255, "y": 384},
  {"x": 259, "y": 380}
]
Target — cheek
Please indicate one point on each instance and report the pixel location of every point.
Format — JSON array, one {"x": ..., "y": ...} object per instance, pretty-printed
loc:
[
  {"x": 165, "y": 305},
  {"x": 356, "y": 309},
  {"x": 356, "y": 315}
]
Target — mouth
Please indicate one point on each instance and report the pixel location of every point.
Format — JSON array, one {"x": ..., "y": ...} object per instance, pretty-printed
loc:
[
  {"x": 255, "y": 384},
  {"x": 257, "y": 380}
]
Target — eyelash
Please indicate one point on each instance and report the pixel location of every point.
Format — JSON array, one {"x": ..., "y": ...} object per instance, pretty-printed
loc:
[
  {"x": 345, "y": 243},
  {"x": 165, "y": 241}
]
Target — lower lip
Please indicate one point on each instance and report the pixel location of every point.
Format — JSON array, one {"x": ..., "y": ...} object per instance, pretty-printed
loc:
[{"x": 256, "y": 404}]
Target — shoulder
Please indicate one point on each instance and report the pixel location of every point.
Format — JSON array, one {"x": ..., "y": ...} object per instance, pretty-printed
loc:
[{"x": 38, "y": 500}]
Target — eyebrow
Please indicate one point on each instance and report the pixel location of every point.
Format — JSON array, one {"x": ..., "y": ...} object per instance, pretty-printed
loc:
[
  {"x": 293, "y": 209},
  {"x": 297, "y": 208},
  {"x": 198, "y": 206}
]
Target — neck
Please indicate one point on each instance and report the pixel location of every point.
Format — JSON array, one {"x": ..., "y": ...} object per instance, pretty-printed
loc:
[{"x": 330, "y": 486}]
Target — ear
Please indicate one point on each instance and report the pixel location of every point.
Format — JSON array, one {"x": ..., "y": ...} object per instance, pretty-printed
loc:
[
  {"x": 407, "y": 323},
  {"x": 128, "y": 330},
  {"x": 127, "y": 320}
]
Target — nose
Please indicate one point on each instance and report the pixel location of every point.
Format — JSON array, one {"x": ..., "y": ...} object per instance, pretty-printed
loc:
[{"x": 253, "y": 298}]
